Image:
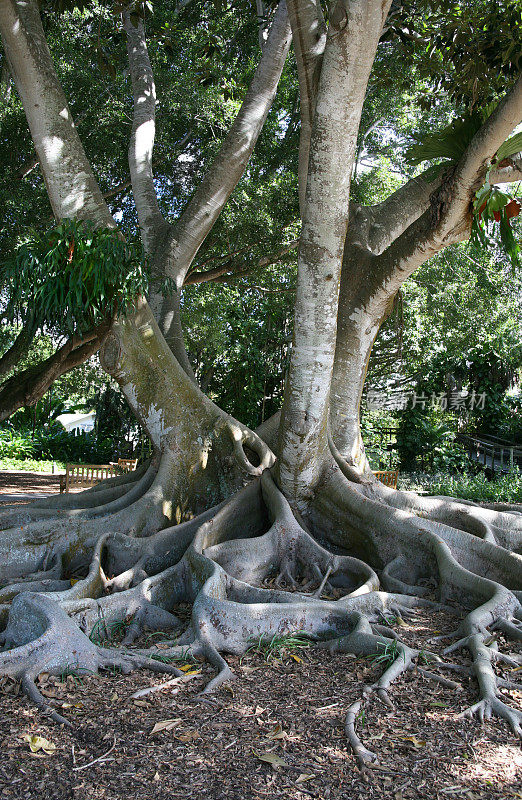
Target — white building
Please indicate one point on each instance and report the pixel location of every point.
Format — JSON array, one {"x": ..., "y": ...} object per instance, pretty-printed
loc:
[{"x": 78, "y": 422}]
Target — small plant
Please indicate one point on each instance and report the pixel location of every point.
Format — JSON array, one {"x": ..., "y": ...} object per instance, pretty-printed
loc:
[
  {"x": 165, "y": 659},
  {"x": 361, "y": 717},
  {"x": 113, "y": 669},
  {"x": 104, "y": 634},
  {"x": 390, "y": 652},
  {"x": 279, "y": 646},
  {"x": 76, "y": 673}
]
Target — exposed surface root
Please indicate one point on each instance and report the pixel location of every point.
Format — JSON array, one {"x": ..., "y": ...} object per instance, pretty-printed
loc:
[{"x": 253, "y": 573}]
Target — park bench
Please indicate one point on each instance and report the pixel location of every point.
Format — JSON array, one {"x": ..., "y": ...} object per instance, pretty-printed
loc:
[
  {"x": 388, "y": 477},
  {"x": 81, "y": 476}
]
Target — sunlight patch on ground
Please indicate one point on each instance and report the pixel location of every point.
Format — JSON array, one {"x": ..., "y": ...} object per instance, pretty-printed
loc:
[{"x": 494, "y": 764}]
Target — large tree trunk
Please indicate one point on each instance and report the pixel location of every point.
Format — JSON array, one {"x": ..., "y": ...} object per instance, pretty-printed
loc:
[
  {"x": 252, "y": 566},
  {"x": 349, "y": 52}
]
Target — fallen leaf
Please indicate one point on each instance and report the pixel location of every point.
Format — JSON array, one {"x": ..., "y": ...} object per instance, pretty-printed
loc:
[
  {"x": 37, "y": 743},
  {"x": 142, "y": 703},
  {"x": 304, "y": 777},
  {"x": 258, "y": 711},
  {"x": 156, "y": 776},
  {"x": 296, "y": 658},
  {"x": 438, "y": 704},
  {"x": 277, "y": 733},
  {"x": 165, "y": 725},
  {"x": 271, "y": 758},
  {"x": 72, "y": 705},
  {"x": 413, "y": 739},
  {"x": 188, "y": 736}
]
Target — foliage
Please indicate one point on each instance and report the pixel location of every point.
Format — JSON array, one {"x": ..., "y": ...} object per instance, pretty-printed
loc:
[
  {"x": 30, "y": 465},
  {"x": 107, "y": 634},
  {"x": 388, "y": 653},
  {"x": 237, "y": 337},
  {"x": 448, "y": 143},
  {"x": 14, "y": 444},
  {"x": 71, "y": 278},
  {"x": 504, "y": 488},
  {"x": 53, "y": 443},
  {"x": 467, "y": 49},
  {"x": 278, "y": 647},
  {"x": 460, "y": 331},
  {"x": 426, "y": 437},
  {"x": 379, "y": 445},
  {"x": 491, "y": 205}
]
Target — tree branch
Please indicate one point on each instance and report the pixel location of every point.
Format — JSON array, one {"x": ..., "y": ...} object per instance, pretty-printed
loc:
[
  {"x": 309, "y": 37},
  {"x": 197, "y": 220},
  {"x": 72, "y": 188},
  {"x": 383, "y": 223},
  {"x": 470, "y": 172},
  {"x": 447, "y": 220},
  {"x": 388, "y": 220},
  {"x": 141, "y": 145},
  {"x": 228, "y": 268},
  {"x": 18, "y": 349},
  {"x": 508, "y": 171},
  {"x": 27, "y": 387}
]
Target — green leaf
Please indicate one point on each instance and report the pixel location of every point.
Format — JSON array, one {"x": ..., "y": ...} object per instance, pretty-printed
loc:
[
  {"x": 510, "y": 147},
  {"x": 449, "y": 143},
  {"x": 497, "y": 200}
]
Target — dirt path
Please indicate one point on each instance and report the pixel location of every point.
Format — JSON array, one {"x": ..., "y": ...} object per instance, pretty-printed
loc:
[{"x": 294, "y": 710}]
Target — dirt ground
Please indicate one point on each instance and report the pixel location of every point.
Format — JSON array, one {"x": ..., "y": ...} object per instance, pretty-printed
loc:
[
  {"x": 18, "y": 482},
  {"x": 293, "y": 709}
]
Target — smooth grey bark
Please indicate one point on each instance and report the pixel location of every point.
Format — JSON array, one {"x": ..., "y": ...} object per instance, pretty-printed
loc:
[
  {"x": 141, "y": 143},
  {"x": 71, "y": 186},
  {"x": 352, "y": 40}
]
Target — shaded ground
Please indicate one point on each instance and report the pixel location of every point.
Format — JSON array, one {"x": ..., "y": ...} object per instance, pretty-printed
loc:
[
  {"x": 293, "y": 709},
  {"x": 18, "y": 482}
]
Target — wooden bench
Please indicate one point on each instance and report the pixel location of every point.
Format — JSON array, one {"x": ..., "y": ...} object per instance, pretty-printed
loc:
[
  {"x": 81, "y": 476},
  {"x": 127, "y": 464},
  {"x": 388, "y": 477}
]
